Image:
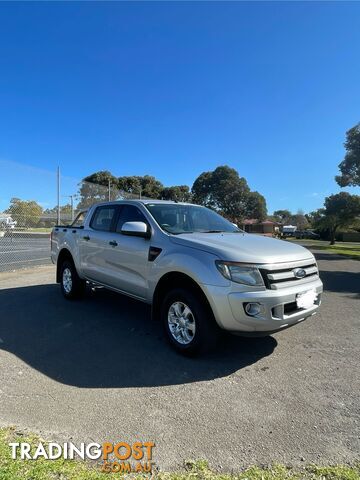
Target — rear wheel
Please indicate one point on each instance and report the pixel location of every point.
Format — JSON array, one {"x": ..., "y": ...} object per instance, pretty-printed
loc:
[
  {"x": 72, "y": 286},
  {"x": 188, "y": 321}
]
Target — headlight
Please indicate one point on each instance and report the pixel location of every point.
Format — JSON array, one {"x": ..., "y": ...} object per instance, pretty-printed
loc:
[{"x": 240, "y": 273}]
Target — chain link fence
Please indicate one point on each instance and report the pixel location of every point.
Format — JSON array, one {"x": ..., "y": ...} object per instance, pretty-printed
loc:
[{"x": 32, "y": 201}]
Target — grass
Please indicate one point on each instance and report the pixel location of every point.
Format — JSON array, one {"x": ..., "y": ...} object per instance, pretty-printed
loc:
[
  {"x": 193, "y": 470},
  {"x": 38, "y": 229},
  {"x": 351, "y": 250}
]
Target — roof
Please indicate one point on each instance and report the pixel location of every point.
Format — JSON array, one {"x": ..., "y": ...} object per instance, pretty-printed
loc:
[
  {"x": 145, "y": 201},
  {"x": 250, "y": 221},
  {"x": 254, "y": 221}
]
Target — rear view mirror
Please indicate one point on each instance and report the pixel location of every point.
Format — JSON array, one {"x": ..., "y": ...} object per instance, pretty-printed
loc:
[{"x": 136, "y": 229}]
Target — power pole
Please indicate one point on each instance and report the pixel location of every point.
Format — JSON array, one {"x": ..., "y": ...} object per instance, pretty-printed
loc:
[
  {"x": 109, "y": 189},
  {"x": 72, "y": 207},
  {"x": 58, "y": 196}
]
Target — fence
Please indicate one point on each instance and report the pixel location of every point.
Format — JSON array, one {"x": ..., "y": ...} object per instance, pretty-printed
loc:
[{"x": 32, "y": 201}]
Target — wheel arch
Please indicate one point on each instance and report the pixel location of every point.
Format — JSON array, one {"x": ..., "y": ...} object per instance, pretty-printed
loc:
[
  {"x": 64, "y": 254},
  {"x": 172, "y": 280}
]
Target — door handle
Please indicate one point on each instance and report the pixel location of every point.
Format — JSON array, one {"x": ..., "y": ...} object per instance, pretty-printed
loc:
[
  {"x": 86, "y": 237},
  {"x": 113, "y": 243}
]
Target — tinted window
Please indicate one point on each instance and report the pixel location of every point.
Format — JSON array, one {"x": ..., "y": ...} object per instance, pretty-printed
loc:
[
  {"x": 102, "y": 218},
  {"x": 129, "y": 213},
  {"x": 177, "y": 218}
]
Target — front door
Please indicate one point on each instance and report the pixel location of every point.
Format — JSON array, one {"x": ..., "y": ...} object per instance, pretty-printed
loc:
[{"x": 129, "y": 255}]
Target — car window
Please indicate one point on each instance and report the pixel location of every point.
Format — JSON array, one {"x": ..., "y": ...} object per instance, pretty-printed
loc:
[
  {"x": 103, "y": 218},
  {"x": 79, "y": 220},
  {"x": 129, "y": 213},
  {"x": 178, "y": 218}
]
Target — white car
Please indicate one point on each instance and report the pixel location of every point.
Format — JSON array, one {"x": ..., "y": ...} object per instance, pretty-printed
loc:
[{"x": 6, "y": 222}]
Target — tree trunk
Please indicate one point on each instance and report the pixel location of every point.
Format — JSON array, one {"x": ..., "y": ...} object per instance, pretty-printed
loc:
[{"x": 332, "y": 235}]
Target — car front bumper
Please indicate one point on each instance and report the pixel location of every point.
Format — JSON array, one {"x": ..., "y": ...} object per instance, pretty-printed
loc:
[{"x": 278, "y": 307}]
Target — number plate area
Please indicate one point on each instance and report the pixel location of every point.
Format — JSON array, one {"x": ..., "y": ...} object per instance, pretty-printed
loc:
[{"x": 306, "y": 299}]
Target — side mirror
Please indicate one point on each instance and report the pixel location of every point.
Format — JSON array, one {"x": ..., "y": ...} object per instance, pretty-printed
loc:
[{"x": 136, "y": 229}]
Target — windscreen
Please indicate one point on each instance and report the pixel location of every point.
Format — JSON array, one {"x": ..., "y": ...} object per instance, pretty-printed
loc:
[{"x": 177, "y": 219}]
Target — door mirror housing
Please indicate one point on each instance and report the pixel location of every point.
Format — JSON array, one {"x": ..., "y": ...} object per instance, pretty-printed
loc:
[{"x": 136, "y": 229}]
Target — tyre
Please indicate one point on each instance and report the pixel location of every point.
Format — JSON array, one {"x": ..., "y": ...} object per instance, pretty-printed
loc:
[
  {"x": 72, "y": 286},
  {"x": 188, "y": 322}
]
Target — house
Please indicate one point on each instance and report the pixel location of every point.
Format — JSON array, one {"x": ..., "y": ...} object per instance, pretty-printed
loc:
[{"x": 267, "y": 227}]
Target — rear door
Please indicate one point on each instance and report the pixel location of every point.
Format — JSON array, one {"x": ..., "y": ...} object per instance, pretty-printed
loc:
[{"x": 96, "y": 249}]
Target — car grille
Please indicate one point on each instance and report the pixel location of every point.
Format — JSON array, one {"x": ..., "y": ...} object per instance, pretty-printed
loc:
[{"x": 278, "y": 276}]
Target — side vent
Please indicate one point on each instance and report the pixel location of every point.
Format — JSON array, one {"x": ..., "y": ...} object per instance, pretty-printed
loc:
[{"x": 154, "y": 252}]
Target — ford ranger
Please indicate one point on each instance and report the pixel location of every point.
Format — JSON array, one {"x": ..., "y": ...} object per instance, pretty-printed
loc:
[{"x": 199, "y": 271}]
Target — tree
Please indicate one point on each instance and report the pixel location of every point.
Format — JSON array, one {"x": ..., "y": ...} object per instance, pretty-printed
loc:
[
  {"x": 178, "y": 193},
  {"x": 256, "y": 206},
  {"x": 151, "y": 187},
  {"x": 224, "y": 191},
  {"x": 96, "y": 188},
  {"x": 131, "y": 185},
  {"x": 300, "y": 220},
  {"x": 49, "y": 216},
  {"x": 27, "y": 213},
  {"x": 341, "y": 210},
  {"x": 350, "y": 166},
  {"x": 201, "y": 189},
  {"x": 138, "y": 186},
  {"x": 314, "y": 217},
  {"x": 283, "y": 215},
  {"x": 63, "y": 209}
]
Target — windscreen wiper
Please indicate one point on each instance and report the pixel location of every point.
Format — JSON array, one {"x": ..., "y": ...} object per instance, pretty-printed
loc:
[{"x": 220, "y": 231}]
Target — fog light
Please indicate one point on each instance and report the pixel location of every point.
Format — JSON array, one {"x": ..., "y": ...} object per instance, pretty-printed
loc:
[{"x": 253, "y": 309}]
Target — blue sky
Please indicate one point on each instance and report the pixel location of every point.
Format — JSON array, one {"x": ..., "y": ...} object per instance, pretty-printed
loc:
[{"x": 175, "y": 89}]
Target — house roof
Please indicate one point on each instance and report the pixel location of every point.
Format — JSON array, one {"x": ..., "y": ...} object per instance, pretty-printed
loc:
[
  {"x": 250, "y": 221},
  {"x": 254, "y": 221}
]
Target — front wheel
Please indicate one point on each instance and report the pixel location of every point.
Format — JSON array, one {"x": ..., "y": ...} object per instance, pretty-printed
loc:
[
  {"x": 72, "y": 286},
  {"x": 188, "y": 321}
]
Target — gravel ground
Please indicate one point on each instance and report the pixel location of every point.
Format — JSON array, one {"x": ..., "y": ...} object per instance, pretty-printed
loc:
[{"x": 100, "y": 370}]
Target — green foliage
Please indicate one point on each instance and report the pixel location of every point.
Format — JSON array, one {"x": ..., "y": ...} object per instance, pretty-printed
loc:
[
  {"x": 95, "y": 188},
  {"x": 178, "y": 193},
  {"x": 283, "y": 215},
  {"x": 130, "y": 184},
  {"x": 27, "y": 213},
  {"x": 300, "y": 220},
  {"x": 256, "y": 206},
  {"x": 151, "y": 187},
  {"x": 314, "y": 217},
  {"x": 226, "y": 192},
  {"x": 66, "y": 209},
  {"x": 222, "y": 190},
  {"x": 102, "y": 178},
  {"x": 350, "y": 166},
  {"x": 341, "y": 210},
  {"x": 146, "y": 186}
]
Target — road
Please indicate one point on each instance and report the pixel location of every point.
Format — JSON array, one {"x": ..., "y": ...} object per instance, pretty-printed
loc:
[
  {"x": 100, "y": 370},
  {"x": 17, "y": 252}
]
